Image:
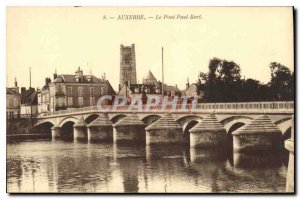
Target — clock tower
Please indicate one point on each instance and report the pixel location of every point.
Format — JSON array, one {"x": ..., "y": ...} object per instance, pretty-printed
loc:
[{"x": 127, "y": 65}]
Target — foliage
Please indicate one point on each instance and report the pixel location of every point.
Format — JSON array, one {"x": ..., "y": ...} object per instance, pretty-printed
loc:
[{"x": 223, "y": 83}]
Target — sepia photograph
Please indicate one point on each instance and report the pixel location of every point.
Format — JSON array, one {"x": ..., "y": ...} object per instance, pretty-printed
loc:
[{"x": 187, "y": 100}]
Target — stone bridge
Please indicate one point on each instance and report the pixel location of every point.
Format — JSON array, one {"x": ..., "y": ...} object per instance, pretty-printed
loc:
[{"x": 231, "y": 115}]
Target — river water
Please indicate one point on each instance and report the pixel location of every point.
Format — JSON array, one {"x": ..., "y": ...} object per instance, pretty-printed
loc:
[{"x": 68, "y": 166}]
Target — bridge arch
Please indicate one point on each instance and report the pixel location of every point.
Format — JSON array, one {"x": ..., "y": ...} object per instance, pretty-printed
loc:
[
  {"x": 234, "y": 122},
  {"x": 89, "y": 118},
  {"x": 67, "y": 119},
  {"x": 284, "y": 125},
  {"x": 117, "y": 118},
  {"x": 184, "y": 120},
  {"x": 149, "y": 119},
  {"x": 186, "y": 129},
  {"x": 67, "y": 130},
  {"x": 287, "y": 134},
  {"x": 187, "y": 122},
  {"x": 43, "y": 127},
  {"x": 231, "y": 124}
]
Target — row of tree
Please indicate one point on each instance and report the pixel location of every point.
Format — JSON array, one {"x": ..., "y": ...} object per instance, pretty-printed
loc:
[{"x": 223, "y": 83}]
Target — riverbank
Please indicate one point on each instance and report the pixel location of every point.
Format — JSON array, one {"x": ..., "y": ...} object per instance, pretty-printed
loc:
[{"x": 23, "y": 137}]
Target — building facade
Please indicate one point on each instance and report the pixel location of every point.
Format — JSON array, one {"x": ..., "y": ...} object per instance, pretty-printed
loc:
[
  {"x": 150, "y": 86},
  {"x": 127, "y": 65},
  {"x": 29, "y": 102},
  {"x": 13, "y": 102},
  {"x": 44, "y": 97},
  {"x": 193, "y": 90},
  {"x": 75, "y": 91}
]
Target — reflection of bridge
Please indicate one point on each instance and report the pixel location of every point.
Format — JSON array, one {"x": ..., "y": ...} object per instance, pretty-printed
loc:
[{"x": 231, "y": 115}]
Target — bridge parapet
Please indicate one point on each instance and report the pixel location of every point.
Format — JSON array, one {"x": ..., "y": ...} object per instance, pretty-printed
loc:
[{"x": 239, "y": 107}]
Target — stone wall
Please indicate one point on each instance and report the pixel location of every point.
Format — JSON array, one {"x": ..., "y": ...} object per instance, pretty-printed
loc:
[
  {"x": 100, "y": 133},
  {"x": 19, "y": 126},
  {"x": 134, "y": 134},
  {"x": 207, "y": 139},
  {"x": 256, "y": 142},
  {"x": 164, "y": 136}
]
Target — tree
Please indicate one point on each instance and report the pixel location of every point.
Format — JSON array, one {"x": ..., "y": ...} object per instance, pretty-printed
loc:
[
  {"x": 221, "y": 81},
  {"x": 282, "y": 82}
]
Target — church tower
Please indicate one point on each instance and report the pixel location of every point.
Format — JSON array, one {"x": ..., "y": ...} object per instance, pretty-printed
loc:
[{"x": 127, "y": 65}]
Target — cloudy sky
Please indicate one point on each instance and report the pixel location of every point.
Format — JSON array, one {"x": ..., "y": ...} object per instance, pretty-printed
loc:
[{"x": 63, "y": 38}]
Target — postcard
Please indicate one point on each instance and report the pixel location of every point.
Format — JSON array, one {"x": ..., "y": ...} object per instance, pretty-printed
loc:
[{"x": 150, "y": 99}]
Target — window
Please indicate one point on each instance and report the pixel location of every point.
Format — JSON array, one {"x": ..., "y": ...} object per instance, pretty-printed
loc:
[
  {"x": 60, "y": 102},
  {"x": 69, "y": 91},
  {"x": 102, "y": 90},
  {"x": 47, "y": 97},
  {"x": 80, "y": 91},
  {"x": 59, "y": 89},
  {"x": 70, "y": 101},
  {"x": 80, "y": 101},
  {"x": 92, "y": 101},
  {"x": 92, "y": 89},
  {"x": 11, "y": 102},
  {"x": 52, "y": 91},
  {"x": 127, "y": 58}
]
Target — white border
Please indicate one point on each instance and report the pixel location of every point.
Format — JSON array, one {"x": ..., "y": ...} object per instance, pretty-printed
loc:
[{"x": 3, "y": 4}]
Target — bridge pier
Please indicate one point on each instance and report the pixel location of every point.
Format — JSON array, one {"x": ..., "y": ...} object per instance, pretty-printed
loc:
[
  {"x": 164, "y": 130},
  {"x": 101, "y": 129},
  {"x": 129, "y": 130},
  {"x": 261, "y": 134},
  {"x": 80, "y": 129},
  {"x": 208, "y": 133},
  {"x": 55, "y": 132},
  {"x": 289, "y": 145}
]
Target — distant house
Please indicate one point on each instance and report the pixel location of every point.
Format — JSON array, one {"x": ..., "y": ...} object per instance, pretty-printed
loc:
[
  {"x": 13, "y": 102},
  {"x": 193, "y": 90},
  {"x": 78, "y": 90},
  {"x": 142, "y": 90},
  {"x": 44, "y": 97},
  {"x": 29, "y": 102},
  {"x": 149, "y": 86},
  {"x": 172, "y": 91}
]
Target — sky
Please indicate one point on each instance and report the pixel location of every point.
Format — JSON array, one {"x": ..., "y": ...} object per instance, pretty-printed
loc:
[{"x": 64, "y": 38}]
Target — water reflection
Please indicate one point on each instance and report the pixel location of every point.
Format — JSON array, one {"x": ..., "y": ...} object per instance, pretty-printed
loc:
[
  {"x": 68, "y": 166},
  {"x": 130, "y": 160}
]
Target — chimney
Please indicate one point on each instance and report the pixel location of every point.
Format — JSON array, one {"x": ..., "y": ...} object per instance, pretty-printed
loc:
[
  {"x": 187, "y": 83},
  {"x": 16, "y": 83},
  {"x": 23, "y": 89},
  {"x": 55, "y": 75}
]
